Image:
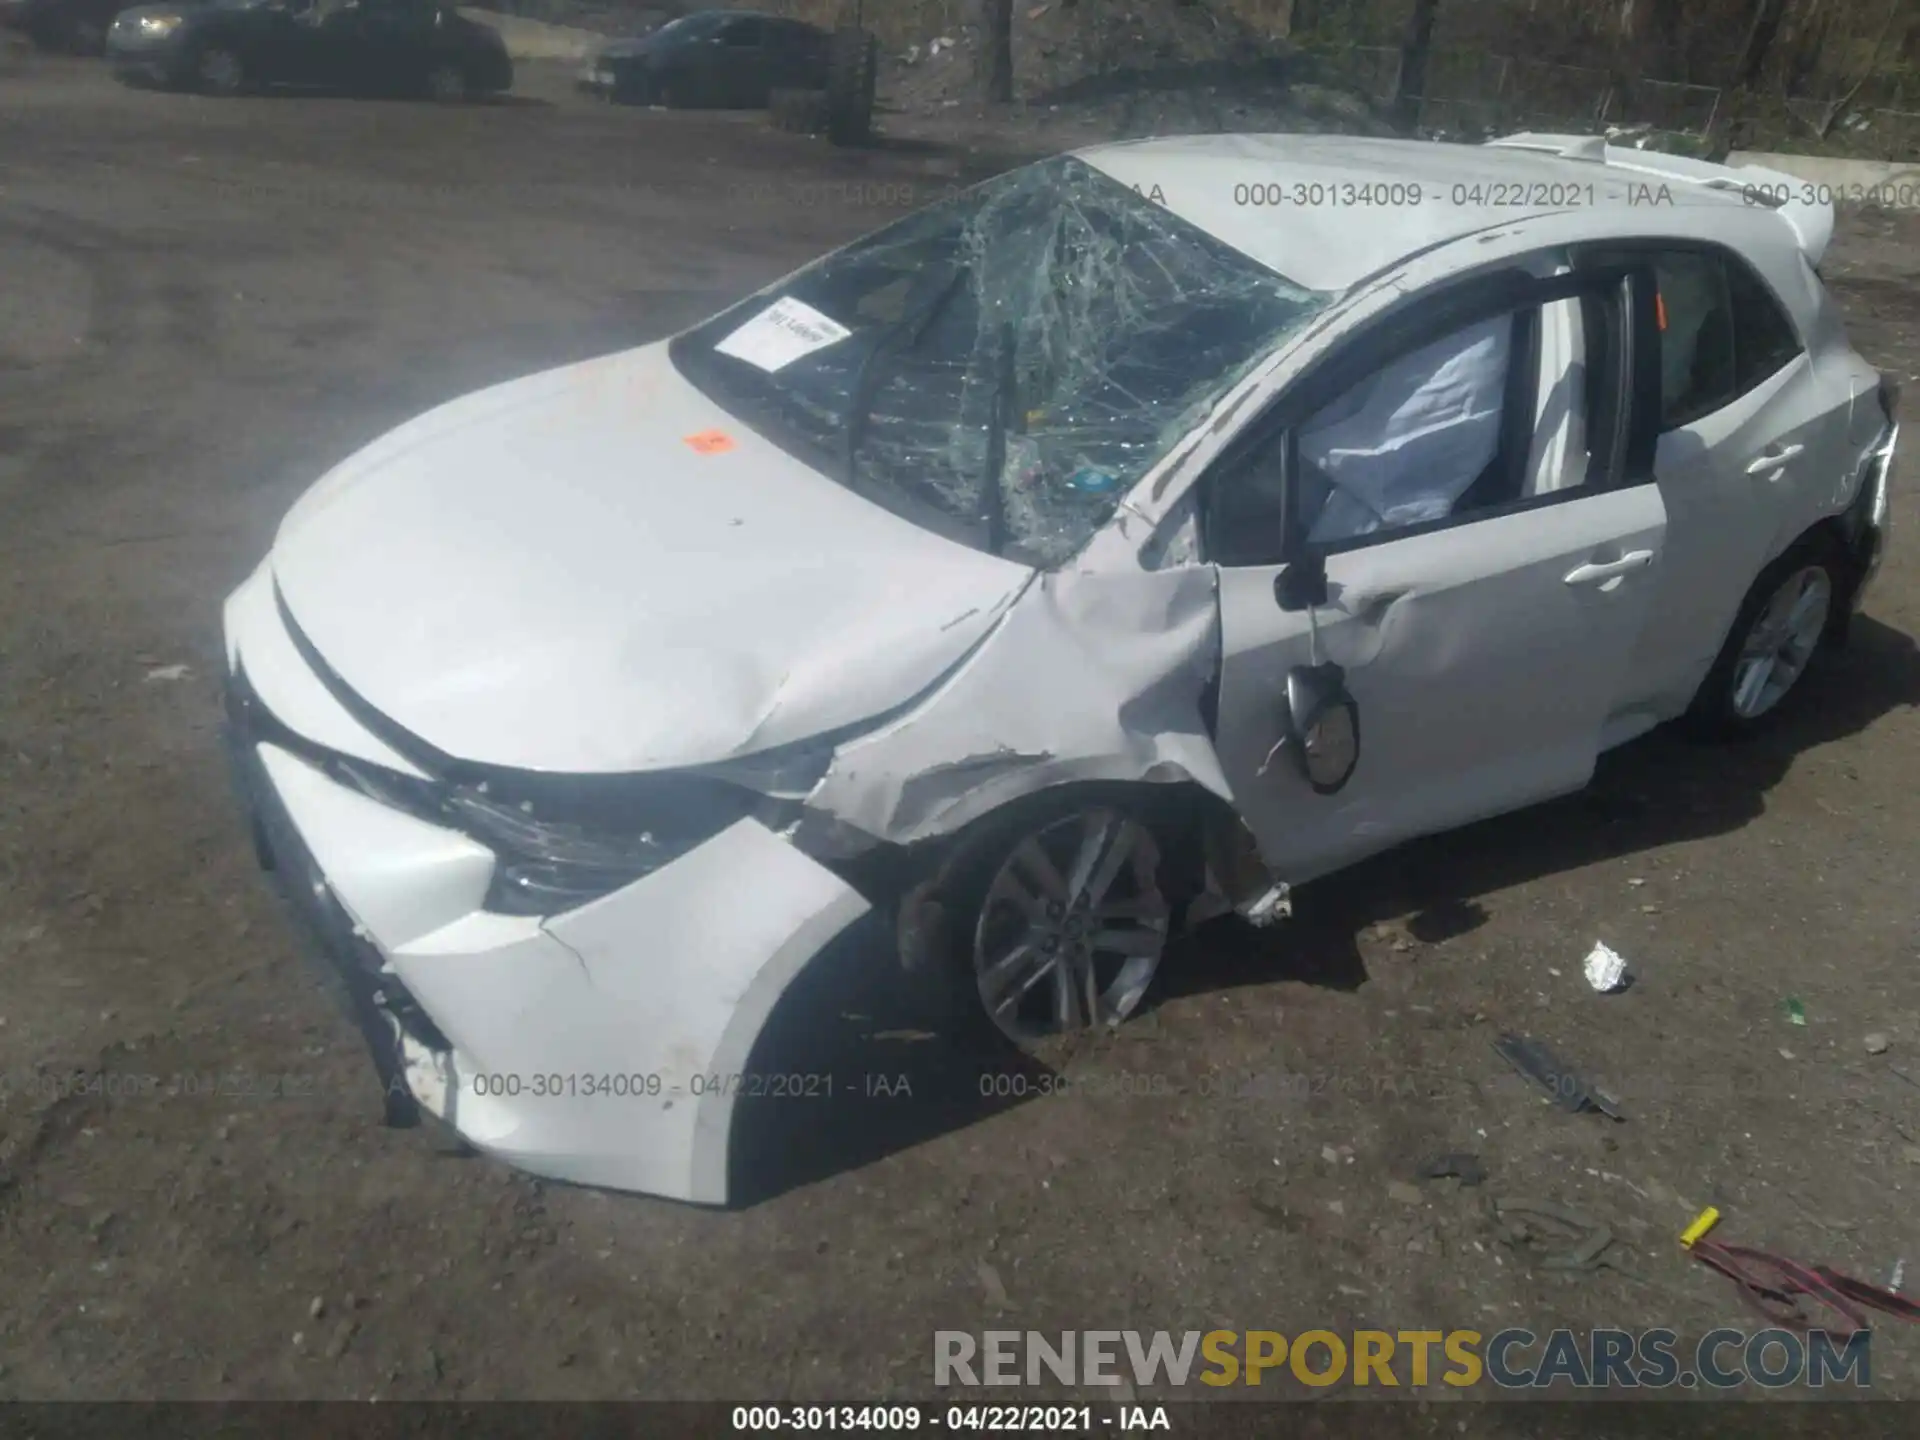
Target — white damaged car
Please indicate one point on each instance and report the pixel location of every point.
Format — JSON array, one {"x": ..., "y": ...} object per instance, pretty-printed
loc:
[{"x": 1126, "y": 539}]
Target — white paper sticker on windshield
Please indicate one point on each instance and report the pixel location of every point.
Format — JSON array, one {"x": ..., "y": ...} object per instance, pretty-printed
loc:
[{"x": 781, "y": 334}]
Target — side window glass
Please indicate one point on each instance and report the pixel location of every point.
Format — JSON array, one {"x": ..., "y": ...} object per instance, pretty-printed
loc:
[
  {"x": 1764, "y": 341},
  {"x": 1246, "y": 515},
  {"x": 743, "y": 34},
  {"x": 1410, "y": 442},
  {"x": 1696, "y": 336},
  {"x": 1427, "y": 436}
]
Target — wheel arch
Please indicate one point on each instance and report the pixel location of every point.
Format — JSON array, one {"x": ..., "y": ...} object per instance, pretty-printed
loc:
[{"x": 1826, "y": 537}]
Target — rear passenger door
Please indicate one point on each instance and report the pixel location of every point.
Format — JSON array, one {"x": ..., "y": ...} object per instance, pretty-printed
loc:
[
  {"x": 1745, "y": 432},
  {"x": 396, "y": 42},
  {"x": 282, "y": 41},
  {"x": 800, "y": 57}
]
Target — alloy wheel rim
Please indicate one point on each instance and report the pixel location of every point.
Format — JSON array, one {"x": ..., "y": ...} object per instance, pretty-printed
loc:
[
  {"x": 1072, "y": 927},
  {"x": 1782, "y": 641},
  {"x": 220, "y": 69}
]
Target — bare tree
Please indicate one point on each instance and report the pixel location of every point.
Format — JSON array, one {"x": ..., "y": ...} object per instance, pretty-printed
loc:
[
  {"x": 1838, "y": 107},
  {"x": 1767, "y": 15},
  {"x": 995, "y": 23},
  {"x": 1412, "y": 82}
]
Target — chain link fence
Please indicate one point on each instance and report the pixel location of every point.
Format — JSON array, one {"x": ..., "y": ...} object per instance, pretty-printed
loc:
[{"x": 1470, "y": 91}]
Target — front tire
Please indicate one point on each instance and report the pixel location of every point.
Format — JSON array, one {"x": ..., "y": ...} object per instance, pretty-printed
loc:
[
  {"x": 1793, "y": 610},
  {"x": 219, "y": 70},
  {"x": 1061, "y": 918}
]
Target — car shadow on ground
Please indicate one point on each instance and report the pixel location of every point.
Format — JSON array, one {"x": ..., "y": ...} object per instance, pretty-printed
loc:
[
  {"x": 1660, "y": 790},
  {"x": 861, "y": 1060}
]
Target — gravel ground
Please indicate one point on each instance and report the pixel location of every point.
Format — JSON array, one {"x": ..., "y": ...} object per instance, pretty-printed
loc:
[{"x": 206, "y": 304}]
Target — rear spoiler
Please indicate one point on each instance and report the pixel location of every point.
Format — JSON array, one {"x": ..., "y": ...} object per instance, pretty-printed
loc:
[{"x": 1811, "y": 222}]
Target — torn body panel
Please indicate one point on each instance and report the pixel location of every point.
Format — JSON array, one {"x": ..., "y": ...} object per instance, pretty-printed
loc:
[
  {"x": 1485, "y": 674},
  {"x": 1090, "y": 677}
]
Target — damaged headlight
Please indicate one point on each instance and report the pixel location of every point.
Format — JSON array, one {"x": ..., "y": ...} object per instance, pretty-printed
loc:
[
  {"x": 562, "y": 841},
  {"x": 547, "y": 866},
  {"x": 557, "y": 856}
]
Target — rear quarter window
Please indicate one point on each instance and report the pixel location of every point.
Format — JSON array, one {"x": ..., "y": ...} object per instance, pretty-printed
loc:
[
  {"x": 1723, "y": 329},
  {"x": 1764, "y": 341}
]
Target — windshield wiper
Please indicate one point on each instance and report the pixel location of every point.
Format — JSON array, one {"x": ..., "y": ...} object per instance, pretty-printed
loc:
[{"x": 905, "y": 333}]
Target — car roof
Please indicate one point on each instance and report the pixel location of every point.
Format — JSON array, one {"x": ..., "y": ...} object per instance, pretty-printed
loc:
[{"x": 1327, "y": 211}]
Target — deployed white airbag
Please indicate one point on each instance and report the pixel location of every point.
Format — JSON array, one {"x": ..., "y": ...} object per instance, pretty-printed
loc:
[{"x": 1404, "y": 444}]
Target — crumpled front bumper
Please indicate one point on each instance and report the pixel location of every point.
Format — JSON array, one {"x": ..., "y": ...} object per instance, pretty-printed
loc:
[{"x": 605, "y": 1046}]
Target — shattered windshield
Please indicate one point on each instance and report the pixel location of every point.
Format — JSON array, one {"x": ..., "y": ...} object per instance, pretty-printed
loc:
[{"x": 1003, "y": 366}]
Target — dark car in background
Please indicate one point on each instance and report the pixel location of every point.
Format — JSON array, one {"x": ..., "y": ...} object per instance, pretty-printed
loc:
[
  {"x": 732, "y": 59},
  {"x": 226, "y": 47},
  {"x": 77, "y": 27}
]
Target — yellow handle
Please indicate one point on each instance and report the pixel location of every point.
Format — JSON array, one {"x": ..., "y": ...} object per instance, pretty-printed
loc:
[{"x": 1702, "y": 1223}]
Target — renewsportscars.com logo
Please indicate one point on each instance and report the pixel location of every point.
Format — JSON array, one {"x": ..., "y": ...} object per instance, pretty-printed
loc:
[{"x": 1513, "y": 1359}]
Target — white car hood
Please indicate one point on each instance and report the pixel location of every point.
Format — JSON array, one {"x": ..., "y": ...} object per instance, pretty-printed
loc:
[{"x": 547, "y": 576}]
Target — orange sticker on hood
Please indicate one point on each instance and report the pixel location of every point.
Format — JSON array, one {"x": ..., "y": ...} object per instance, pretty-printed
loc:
[{"x": 711, "y": 442}]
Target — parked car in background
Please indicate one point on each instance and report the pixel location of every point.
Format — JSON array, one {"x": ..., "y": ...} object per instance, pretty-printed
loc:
[
  {"x": 77, "y": 27},
  {"x": 721, "y": 58},
  {"x": 225, "y": 47}
]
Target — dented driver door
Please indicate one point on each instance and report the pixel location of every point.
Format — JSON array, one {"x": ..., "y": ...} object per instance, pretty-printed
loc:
[{"x": 1485, "y": 589}]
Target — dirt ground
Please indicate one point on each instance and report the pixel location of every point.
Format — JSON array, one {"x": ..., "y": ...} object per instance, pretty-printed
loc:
[{"x": 203, "y": 305}]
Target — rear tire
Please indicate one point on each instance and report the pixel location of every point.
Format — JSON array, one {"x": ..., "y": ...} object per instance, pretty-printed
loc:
[
  {"x": 853, "y": 73},
  {"x": 1790, "y": 617},
  {"x": 447, "y": 84}
]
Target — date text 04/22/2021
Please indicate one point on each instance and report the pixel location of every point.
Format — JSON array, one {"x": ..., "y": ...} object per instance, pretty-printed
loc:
[
  {"x": 52, "y": 1085},
  {"x": 960, "y": 1419},
  {"x": 750, "y": 1085}
]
